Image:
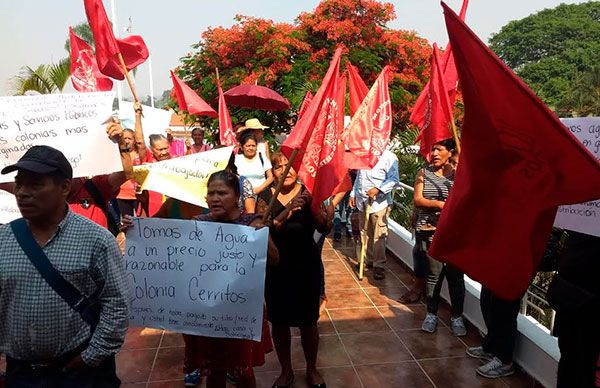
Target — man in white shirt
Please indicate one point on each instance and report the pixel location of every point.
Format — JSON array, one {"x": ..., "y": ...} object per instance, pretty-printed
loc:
[{"x": 375, "y": 187}]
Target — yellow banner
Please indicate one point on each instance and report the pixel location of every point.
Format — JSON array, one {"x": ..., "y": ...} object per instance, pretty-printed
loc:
[{"x": 183, "y": 178}]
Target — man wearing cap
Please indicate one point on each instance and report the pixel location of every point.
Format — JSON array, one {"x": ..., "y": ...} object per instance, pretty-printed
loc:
[{"x": 49, "y": 341}]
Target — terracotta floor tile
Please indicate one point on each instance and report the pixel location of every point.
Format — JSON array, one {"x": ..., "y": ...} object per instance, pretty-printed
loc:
[
  {"x": 347, "y": 299},
  {"x": 403, "y": 317},
  {"x": 125, "y": 385},
  {"x": 389, "y": 281},
  {"x": 171, "y": 339},
  {"x": 386, "y": 296},
  {"x": 133, "y": 366},
  {"x": 271, "y": 363},
  {"x": 405, "y": 375},
  {"x": 374, "y": 348},
  {"x": 142, "y": 338},
  {"x": 432, "y": 345},
  {"x": 519, "y": 380},
  {"x": 361, "y": 320},
  {"x": 325, "y": 325},
  {"x": 457, "y": 373},
  {"x": 329, "y": 255},
  {"x": 331, "y": 353},
  {"x": 340, "y": 281},
  {"x": 405, "y": 276},
  {"x": 266, "y": 378},
  {"x": 167, "y": 384},
  {"x": 334, "y": 267},
  {"x": 169, "y": 365}
]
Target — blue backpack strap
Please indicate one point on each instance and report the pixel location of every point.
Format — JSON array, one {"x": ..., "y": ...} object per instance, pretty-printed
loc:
[{"x": 78, "y": 302}]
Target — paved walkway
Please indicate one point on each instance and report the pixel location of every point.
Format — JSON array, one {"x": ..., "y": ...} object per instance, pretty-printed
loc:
[{"x": 368, "y": 340}]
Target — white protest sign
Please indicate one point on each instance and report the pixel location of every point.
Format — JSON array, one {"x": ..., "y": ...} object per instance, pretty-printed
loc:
[
  {"x": 201, "y": 278},
  {"x": 154, "y": 121},
  {"x": 583, "y": 217},
  {"x": 8, "y": 208},
  {"x": 71, "y": 123},
  {"x": 183, "y": 178}
]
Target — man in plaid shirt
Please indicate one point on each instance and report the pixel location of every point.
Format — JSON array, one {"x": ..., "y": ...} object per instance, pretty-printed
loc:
[{"x": 46, "y": 342}]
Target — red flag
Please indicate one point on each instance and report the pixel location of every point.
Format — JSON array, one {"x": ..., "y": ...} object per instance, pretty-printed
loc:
[
  {"x": 188, "y": 100},
  {"x": 226, "y": 134},
  {"x": 107, "y": 49},
  {"x": 439, "y": 110},
  {"x": 358, "y": 88},
  {"x": 307, "y": 99},
  {"x": 316, "y": 136},
  {"x": 85, "y": 75},
  {"x": 368, "y": 134},
  {"x": 518, "y": 163},
  {"x": 134, "y": 51},
  {"x": 132, "y": 48},
  {"x": 419, "y": 115}
]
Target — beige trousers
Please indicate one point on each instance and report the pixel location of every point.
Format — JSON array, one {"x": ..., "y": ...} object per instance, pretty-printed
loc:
[{"x": 375, "y": 233}]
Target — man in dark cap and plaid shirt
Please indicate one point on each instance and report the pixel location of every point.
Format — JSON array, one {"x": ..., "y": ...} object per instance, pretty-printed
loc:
[{"x": 48, "y": 342}]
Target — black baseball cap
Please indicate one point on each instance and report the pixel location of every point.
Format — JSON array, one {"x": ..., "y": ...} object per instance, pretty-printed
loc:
[{"x": 42, "y": 159}]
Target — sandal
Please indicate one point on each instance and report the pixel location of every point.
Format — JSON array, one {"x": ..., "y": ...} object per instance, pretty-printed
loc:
[{"x": 410, "y": 297}]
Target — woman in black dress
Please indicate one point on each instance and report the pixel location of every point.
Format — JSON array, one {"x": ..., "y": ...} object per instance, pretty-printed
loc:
[{"x": 292, "y": 289}]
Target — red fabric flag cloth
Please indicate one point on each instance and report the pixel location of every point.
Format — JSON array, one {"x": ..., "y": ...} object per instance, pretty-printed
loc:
[
  {"x": 307, "y": 99},
  {"x": 358, "y": 88},
  {"x": 419, "y": 115},
  {"x": 226, "y": 134},
  {"x": 368, "y": 134},
  {"x": 189, "y": 101},
  {"x": 132, "y": 48},
  {"x": 134, "y": 51},
  {"x": 518, "y": 164},
  {"x": 107, "y": 49},
  {"x": 316, "y": 136},
  {"x": 85, "y": 75},
  {"x": 439, "y": 110}
]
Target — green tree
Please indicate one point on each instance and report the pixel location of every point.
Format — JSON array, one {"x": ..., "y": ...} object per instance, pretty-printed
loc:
[
  {"x": 44, "y": 79},
  {"x": 583, "y": 97},
  {"x": 551, "y": 48}
]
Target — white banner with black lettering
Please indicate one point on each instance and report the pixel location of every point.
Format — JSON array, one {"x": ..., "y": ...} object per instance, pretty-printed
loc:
[
  {"x": 72, "y": 123},
  {"x": 583, "y": 217},
  {"x": 201, "y": 278}
]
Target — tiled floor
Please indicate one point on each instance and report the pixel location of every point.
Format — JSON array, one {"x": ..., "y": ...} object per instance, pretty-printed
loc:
[{"x": 368, "y": 340}]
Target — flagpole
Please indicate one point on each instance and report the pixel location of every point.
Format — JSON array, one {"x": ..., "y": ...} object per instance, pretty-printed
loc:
[
  {"x": 280, "y": 185},
  {"x": 116, "y": 33},
  {"x": 129, "y": 82},
  {"x": 455, "y": 134}
]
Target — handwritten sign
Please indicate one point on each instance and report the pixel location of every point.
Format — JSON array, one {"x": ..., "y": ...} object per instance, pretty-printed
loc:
[
  {"x": 154, "y": 121},
  {"x": 193, "y": 277},
  {"x": 8, "y": 208},
  {"x": 71, "y": 123},
  {"x": 183, "y": 178},
  {"x": 583, "y": 217}
]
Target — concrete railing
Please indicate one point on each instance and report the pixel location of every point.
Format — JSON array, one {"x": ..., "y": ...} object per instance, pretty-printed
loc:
[{"x": 536, "y": 350}]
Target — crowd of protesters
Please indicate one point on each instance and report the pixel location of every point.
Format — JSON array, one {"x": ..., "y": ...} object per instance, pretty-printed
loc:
[{"x": 67, "y": 225}]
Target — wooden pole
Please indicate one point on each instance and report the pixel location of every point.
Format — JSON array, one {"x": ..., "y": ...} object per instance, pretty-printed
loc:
[
  {"x": 455, "y": 134},
  {"x": 363, "y": 241},
  {"x": 129, "y": 82},
  {"x": 267, "y": 214}
]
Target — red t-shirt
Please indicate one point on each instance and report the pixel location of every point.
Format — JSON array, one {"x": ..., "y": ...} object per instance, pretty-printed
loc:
[
  {"x": 155, "y": 199},
  {"x": 82, "y": 202}
]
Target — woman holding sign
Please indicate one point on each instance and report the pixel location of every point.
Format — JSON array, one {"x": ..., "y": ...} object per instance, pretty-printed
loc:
[
  {"x": 217, "y": 356},
  {"x": 292, "y": 288}
]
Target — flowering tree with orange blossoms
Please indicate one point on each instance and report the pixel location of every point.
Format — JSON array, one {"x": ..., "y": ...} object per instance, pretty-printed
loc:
[{"x": 292, "y": 58}]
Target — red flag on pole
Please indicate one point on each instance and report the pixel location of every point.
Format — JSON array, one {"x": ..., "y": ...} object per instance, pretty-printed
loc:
[
  {"x": 188, "y": 100},
  {"x": 307, "y": 99},
  {"x": 368, "y": 133},
  {"x": 107, "y": 49},
  {"x": 316, "y": 136},
  {"x": 85, "y": 75},
  {"x": 134, "y": 51},
  {"x": 358, "y": 88},
  {"x": 419, "y": 115},
  {"x": 132, "y": 48},
  {"x": 439, "y": 110},
  {"x": 518, "y": 163},
  {"x": 226, "y": 134}
]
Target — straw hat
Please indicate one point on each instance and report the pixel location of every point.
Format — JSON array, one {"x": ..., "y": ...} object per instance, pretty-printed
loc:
[{"x": 251, "y": 124}]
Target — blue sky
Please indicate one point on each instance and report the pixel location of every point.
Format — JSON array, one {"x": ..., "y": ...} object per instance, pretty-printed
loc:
[{"x": 34, "y": 31}]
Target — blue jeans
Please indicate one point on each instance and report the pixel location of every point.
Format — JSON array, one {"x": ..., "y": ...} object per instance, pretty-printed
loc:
[
  {"x": 341, "y": 213},
  {"x": 102, "y": 376}
]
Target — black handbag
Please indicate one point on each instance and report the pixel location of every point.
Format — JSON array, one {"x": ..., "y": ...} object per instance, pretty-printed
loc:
[{"x": 89, "y": 312}]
